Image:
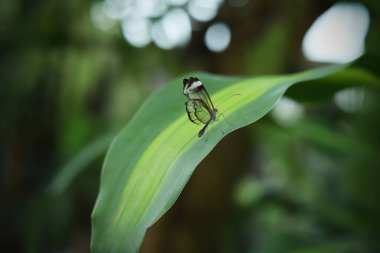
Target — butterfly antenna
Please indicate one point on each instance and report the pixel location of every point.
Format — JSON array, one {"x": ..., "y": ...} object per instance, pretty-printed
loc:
[
  {"x": 221, "y": 114},
  {"x": 237, "y": 94}
]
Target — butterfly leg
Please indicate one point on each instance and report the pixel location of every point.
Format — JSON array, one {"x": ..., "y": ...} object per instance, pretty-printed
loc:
[{"x": 229, "y": 123}]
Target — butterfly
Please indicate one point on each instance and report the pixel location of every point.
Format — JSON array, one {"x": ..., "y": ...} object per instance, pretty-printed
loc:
[{"x": 199, "y": 106}]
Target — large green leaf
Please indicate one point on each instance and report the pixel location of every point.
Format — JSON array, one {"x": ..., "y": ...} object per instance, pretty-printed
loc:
[{"x": 150, "y": 161}]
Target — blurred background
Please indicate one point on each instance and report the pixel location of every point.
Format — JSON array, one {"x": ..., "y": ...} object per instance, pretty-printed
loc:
[{"x": 303, "y": 179}]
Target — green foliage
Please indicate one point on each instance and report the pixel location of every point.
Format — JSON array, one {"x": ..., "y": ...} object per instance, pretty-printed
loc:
[{"x": 150, "y": 161}]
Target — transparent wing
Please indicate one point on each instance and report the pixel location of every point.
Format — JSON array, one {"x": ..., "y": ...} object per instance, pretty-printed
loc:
[
  {"x": 197, "y": 111},
  {"x": 203, "y": 95}
]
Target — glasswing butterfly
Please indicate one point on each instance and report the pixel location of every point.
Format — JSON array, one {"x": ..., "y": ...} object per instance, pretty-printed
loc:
[{"x": 199, "y": 106}]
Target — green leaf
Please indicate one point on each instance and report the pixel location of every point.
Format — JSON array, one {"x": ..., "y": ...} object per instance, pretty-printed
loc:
[
  {"x": 150, "y": 161},
  {"x": 325, "y": 88},
  {"x": 74, "y": 167}
]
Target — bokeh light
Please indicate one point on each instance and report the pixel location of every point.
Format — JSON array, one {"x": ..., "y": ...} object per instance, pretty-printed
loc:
[
  {"x": 118, "y": 9},
  {"x": 351, "y": 99},
  {"x": 99, "y": 17},
  {"x": 203, "y": 11},
  {"x": 173, "y": 30},
  {"x": 151, "y": 8},
  {"x": 168, "y": 23},
  {"x": 218, "y": 37},
  {"x": 338, "y": 34},
  {"x": 136, "y": 31},
  {"x": 287, "y": 111}
]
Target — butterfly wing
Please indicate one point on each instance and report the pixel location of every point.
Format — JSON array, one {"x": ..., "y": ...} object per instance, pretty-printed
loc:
[
  {"x": 197, "y": 111},
  {"x": 194, "y": 89},
  {"x": 204, "y": 96}
]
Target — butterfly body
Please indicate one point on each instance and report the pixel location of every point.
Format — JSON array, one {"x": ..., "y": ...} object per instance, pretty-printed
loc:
[{"x": 199, "y": 106}]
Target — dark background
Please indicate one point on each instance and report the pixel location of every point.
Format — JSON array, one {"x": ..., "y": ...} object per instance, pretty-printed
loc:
[{"x": 67, "y": 87}]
